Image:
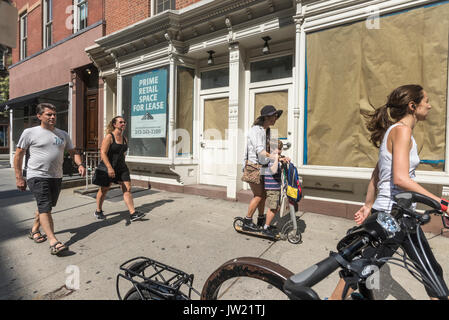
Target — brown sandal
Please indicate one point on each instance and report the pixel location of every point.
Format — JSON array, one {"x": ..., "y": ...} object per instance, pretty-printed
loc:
[
  {"x": 56, "y": 251},
  {"x": 39, "y": 239}
]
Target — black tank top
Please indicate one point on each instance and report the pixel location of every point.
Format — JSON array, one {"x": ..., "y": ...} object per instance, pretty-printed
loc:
[{"x": 116, "y": 153}]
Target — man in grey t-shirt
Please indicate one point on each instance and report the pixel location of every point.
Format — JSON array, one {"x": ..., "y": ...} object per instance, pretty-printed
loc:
[{"x": 45, "y": 146}]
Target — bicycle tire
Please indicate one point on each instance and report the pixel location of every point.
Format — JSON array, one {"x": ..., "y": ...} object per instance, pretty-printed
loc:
[
  {"x": 256, "y": 268},
  {"x": 132, "y": 294}
]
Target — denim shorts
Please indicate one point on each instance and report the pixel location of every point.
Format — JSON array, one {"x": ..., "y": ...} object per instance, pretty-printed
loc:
[{"x": 46, "y": 192}]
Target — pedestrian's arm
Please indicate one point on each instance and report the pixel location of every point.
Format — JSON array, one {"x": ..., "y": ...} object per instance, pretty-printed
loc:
[
  {"x": 275, "y": 165},
  {"x": 78, "y": 161},
  {"x": 372, "y": 188},
  {"x": 105, "y": 145},
  {"x": 365, "y": 210},
  {"x": 18, "y": 162},
  {"x": 401, "y": 145}
]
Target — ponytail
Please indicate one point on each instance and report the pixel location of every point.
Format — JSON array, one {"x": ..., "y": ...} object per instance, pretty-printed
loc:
[
  {"x": 393, "y": 111},
  {"x": 377, "y": 123}
]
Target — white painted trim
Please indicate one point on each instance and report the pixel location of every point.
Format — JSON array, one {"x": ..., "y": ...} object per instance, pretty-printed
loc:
[
  {"x": 156, "y": 179},
  {"x": 145, "y": 67},
  {"x": 11, "y": 146},
  {"x": 322, "y": 15},
  {"x": 171, "y": 110},
  {"x": 333, "y": 200},
  {"x": 70, "y": 110},
  {"x": 155, "y": 160}
]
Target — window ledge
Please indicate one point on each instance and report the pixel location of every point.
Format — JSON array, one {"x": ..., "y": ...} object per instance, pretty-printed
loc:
[{"x": 428, "y": 177}]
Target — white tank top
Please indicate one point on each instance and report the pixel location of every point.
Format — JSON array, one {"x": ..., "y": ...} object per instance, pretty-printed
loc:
[{"x": 385, "y": 187}]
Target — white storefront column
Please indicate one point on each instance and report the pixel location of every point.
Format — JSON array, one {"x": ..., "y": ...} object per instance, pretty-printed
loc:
[
  {"x": 299, "y": 87},
  {"x": 236, "y": 141}
]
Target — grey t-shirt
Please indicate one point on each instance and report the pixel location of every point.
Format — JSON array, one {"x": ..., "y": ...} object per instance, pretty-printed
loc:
[{"x": 46, "y": 150}]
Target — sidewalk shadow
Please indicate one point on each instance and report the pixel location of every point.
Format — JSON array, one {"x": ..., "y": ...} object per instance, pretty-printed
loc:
[
  {"x": 280, "y": 222},
  {"x": 389, "y": 286},
  {"x": 83, "y": 232}
]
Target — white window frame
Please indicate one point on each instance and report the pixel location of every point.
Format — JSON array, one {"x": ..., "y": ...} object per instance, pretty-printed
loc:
[
  {"x": 23, "y": 35},
  {"x": 333, "y": 18},
  {"x": 77, "y": 4},
  {"x": 47, "y": 23},
  {"x": 154, "y": 5}
]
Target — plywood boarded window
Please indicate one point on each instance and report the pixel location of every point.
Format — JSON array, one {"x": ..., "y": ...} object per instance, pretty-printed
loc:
[
  {"x": 353, "y": 67},
  {"x": 278, "y": 99},
  {"x": 216, "y": 119},
  {"x": 184, "y": 112}
]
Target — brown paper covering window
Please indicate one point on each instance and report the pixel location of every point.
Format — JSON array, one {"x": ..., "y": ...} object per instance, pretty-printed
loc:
[
  {"x": 184, "y": 110},
  {"x": 351, "y": 68}
]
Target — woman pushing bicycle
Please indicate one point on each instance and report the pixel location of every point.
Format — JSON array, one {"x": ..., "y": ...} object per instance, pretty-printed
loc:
[{"x": 391, "y": 128}]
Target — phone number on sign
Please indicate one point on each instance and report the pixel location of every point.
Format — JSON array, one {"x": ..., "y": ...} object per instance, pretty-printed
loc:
[{"x": 147, "y": 131}]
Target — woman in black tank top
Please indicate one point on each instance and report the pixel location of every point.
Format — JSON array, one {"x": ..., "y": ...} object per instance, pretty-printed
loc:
[{"x": 113, "y": 150}]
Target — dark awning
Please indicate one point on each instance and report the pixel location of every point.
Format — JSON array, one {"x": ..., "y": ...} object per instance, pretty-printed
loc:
[{"x": 19, "y": 100}]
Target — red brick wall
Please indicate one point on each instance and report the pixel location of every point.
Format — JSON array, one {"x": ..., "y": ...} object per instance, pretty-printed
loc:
[
  {"x": 123, "y": 13},
  {"x": 120, "y": 14},
  {"x": 62, "y": 19},
  {"x": 62, "y": 22}
]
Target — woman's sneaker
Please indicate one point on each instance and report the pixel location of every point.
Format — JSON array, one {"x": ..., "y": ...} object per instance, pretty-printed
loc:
[
  {"x": 270, "y": 232},
  {"x": 136, "y": 215},
  {"x": 249, "y": 225},
  {"x": 99, "y": 215}
]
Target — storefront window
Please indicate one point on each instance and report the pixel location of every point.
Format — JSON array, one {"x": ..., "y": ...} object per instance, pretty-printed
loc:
[
  {"x": 184, "y": 112},
  {"x": 3, "y": 136},
  {"x": 145, "y": 108},
  {"x": 272, "y": 69},
  {"x": 215, "y": 79},
  {"x": 24, "y": 116},
  {"x": 352, "y": 68}
]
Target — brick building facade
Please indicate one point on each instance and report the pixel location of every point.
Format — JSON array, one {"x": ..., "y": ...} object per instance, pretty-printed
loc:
[
  {"x": 213, "y": 64},
  {"x": 49, "y": 64}
]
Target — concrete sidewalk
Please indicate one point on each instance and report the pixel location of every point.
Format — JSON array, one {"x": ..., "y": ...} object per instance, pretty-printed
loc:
[{"x": 189, "y": 232}]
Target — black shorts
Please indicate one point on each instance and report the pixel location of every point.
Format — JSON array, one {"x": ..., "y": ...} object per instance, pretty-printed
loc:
[
  {"x": 121, "y": 175},
  {"x": 46, "y": 192},
  {"x": 102, "y": 179}
]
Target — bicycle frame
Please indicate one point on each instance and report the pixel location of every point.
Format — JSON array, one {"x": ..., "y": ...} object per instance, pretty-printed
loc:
[
  {"x": 164, "y": 282},
  {"x": 370, "y": 233}
]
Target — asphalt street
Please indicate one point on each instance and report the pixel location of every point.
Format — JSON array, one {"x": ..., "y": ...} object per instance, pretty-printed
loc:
[{"x": 189, "y": 232}]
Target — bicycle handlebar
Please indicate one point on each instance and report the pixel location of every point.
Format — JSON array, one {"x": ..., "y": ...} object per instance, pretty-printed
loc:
[
  {"x": 298, "y": 285},
  {"x": 405, "y": 200}
]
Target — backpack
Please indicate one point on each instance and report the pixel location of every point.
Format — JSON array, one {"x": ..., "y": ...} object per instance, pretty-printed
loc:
[{"x": 294, "y": 188}]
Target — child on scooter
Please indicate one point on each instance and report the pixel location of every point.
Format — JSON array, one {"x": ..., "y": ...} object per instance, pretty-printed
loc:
[{"x": 272, "y": 184}]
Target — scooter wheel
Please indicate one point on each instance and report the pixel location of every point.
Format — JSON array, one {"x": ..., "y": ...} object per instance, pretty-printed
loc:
[
  {"x": 238, "y": 224},
  {"x": 293, "y": 236}
]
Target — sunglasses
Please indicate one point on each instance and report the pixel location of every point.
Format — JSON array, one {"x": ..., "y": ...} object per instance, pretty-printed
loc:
[{"x": 122, "y": 122}]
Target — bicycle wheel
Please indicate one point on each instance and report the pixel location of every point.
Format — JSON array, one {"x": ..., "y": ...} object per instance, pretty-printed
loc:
[
  {"x": 263, "y": 271},
  {"x": 132, "y": 294}
]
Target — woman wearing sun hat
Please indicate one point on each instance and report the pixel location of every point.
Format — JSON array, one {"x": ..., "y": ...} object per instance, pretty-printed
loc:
[{"x": 256, "y": 153}]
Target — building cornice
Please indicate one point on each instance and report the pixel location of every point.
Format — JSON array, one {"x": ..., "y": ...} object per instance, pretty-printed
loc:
[{"x": 178, "y": 29}]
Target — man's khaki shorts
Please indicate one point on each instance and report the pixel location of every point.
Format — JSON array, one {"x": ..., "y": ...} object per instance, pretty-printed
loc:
[{"x": 273, "y": 199}]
